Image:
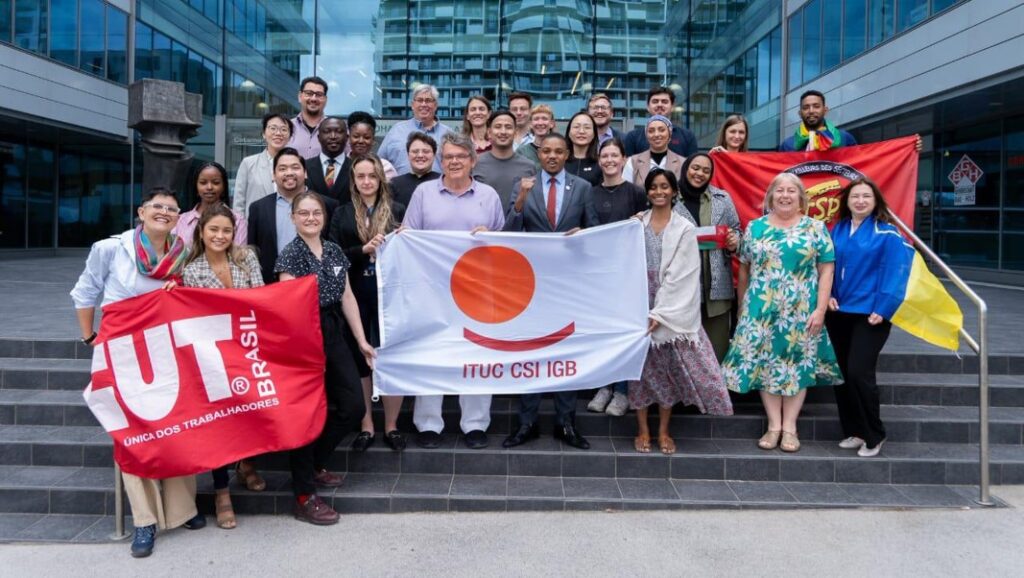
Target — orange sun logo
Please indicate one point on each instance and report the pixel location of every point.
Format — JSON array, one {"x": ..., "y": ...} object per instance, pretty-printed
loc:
[{"x": 495, "y": 285}]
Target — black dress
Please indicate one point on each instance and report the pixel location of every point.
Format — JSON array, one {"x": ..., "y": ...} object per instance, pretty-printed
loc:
[{"x": 363, "y": 274}]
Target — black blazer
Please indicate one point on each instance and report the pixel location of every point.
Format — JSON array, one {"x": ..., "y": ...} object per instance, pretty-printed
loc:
[
  {"x": 315, "y": 180},
  {"x": 262, "y": 223},
  {"x": 345, "y": 234}
]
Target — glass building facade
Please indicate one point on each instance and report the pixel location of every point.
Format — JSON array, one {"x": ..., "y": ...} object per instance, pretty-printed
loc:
[{"x": 64, "y": 185}]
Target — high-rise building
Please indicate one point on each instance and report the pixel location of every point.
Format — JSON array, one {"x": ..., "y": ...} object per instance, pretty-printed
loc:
[{"x": 950, "y": 70}]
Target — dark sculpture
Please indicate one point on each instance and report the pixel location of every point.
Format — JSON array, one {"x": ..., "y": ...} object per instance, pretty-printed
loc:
[{"x": 166, "y": 117}]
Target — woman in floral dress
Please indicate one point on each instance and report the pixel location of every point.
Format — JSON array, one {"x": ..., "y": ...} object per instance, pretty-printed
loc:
[
  {"x": 786, "y": 266},
  {"x": 681, "y": 364}
]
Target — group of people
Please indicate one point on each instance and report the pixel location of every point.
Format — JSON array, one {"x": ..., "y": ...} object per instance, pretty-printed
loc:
[{"x": 319, "y": 201}]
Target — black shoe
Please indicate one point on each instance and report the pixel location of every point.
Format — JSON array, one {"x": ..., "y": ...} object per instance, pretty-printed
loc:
[
  {"x": 476, "y": 439},
  {"x": 428, "y": 439},
  {"x": 195, "y": 522},
  {"x": 568, "y": 434},
  {"x": 526, "y": 433},
  {"x": 362, "y": 442},
  {"x": 395, "y": 440}
]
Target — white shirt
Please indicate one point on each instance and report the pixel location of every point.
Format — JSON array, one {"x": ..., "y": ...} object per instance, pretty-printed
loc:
[
  {"x": 110, "y": 273},
  {"x": 338, "y": 160}
]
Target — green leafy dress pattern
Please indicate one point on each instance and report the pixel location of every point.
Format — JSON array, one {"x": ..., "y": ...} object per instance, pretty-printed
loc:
[{"x": 772, "y": 350}]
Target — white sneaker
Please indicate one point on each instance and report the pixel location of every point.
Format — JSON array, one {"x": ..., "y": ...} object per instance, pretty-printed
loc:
[
  {"x": 600, "y": 401},
  {"x": 866, "y": 452},
  {"x": 618, "y": 406},
  {"x": 851, "y": 443}
]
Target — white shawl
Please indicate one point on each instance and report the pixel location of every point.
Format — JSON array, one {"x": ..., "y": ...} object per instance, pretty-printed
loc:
[{"x": 677, "y": 303}]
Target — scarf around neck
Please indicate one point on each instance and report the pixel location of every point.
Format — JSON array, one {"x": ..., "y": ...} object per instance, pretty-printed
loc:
[
  {"x": 167, "y": 267},
  {"x": 822, "y": 139}
]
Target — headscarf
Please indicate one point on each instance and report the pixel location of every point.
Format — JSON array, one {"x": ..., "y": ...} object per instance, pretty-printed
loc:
[
  {"x": 690, "y": 194},
  {"x": 660, "y": 118}
]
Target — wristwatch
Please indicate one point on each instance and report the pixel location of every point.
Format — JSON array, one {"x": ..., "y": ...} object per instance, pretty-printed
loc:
[{"x": 90, "y": 339}]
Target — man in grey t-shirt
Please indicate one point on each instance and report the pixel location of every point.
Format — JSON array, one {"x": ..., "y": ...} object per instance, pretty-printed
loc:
[{"x": 501, "y": 167}]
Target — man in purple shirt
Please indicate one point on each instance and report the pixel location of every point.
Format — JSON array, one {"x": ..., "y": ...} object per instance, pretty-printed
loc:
[
  {"x": 454, "y": 202},
  {"x": 306, "y": 126}
]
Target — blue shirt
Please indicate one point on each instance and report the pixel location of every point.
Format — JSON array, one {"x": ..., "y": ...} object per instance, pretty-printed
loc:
[
  {"x": 393, "y": 148},
  {"x": 872, "y": 268},
  {"x": 559, "y": 190},
  {"x": 285, "y": 226}
]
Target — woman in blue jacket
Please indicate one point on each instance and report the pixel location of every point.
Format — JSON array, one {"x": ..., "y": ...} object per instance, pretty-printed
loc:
[{"x": 872, "y": 265}]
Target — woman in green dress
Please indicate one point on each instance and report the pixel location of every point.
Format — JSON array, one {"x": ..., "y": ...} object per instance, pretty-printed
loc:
[{"x": 786, "y": 266}]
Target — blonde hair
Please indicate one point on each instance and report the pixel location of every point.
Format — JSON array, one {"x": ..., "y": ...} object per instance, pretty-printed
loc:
[
  {"x": 542, "y": 108},
  {"x": 769, "y": 196},
  {"x": 730, "y": 121},
  {"x": 383, "y": 219}
]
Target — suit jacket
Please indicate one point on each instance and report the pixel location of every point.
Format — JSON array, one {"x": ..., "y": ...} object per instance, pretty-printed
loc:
[
  {"x": 640, "y": 165},
  {"x": 253, "y": 181},
  {"x": 577, "y": 207},
  {"x": 263, "y": 231},
  {"x": 316, "y": 182}
]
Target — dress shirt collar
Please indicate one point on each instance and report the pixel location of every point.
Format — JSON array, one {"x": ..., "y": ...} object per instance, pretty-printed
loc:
[{"x": 338, "y": 160}]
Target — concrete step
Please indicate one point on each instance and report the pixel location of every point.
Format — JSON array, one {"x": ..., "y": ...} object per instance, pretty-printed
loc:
[
  {"x": 703, "y": 459},
  {"x": 818, "y": 421},
  {"x": 88, "y": 492}
]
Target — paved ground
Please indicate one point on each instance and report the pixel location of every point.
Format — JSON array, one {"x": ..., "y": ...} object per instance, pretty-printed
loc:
[
  {"x": 793, "y": 543},
  {"x": 34, "y": 303}
]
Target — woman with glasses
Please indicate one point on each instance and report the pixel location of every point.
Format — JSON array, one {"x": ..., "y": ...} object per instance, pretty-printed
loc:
[
  {"x": 581, "y": 132},
  {"x": 308, "y": 254},
  {"x": 255, "y": 177},
  {"x": 140, "y": 260}
]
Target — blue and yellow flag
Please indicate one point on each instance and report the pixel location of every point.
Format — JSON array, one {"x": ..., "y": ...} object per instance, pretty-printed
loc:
[{"x": 928, "y": 311}]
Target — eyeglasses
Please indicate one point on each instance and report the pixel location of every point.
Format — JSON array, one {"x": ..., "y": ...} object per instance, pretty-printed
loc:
[
  {"x": 460, "y": 157},
  {"x": 600, "y": 107},
  {"x": 307, "y": 214},
  {"x": 160, "y": 207},
  {"x": 313, "y": 94},
  {"x": 277, "y": 129},
  {"x": 424, "y": 100}
]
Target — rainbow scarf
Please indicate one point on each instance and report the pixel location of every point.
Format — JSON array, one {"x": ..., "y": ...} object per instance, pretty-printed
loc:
[
  {"x": 817, "y": 140},
  {"x": 169, "y": 267}
]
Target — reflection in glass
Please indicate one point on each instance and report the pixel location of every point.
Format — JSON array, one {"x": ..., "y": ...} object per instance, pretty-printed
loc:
[
  {"x": 854, "y": 27},
  {"x": 64, "y": 31},
  {"x": 832, "y": 27},
  {"x": 796, "y": 33},
  {"x": 117, "y": 45},
  {"x": 12, "y": 194},
  {"x": 93, "y": 24},
  {"x": 5, "y": 20},
  {"x": 911, "y": 12},
  {"x": 812, "y": 40},
  {"x": 881, "y": 21},
  {"x": 41, "y": 196},
  {"x": 30, "y": 24}
]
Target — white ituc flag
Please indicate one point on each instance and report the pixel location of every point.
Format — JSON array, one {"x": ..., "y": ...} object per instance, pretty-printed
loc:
[{"x": 511, "y": 312}]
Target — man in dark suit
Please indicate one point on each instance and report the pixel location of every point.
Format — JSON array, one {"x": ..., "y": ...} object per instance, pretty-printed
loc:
[
  {"x": 553, "y": 201},
  {"x": 270, "y": 218},
  {"x": 328, "y": 173}
]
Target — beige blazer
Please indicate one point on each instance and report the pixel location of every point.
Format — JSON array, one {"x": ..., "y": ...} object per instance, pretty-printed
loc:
[{"x": 639, "y": 165}]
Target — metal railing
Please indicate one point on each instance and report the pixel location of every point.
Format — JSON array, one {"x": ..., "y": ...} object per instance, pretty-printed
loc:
[{"x": 980, "y": 347}]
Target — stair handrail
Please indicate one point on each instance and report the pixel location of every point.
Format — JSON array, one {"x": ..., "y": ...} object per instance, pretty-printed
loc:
[{"x": 980, "y": 347}]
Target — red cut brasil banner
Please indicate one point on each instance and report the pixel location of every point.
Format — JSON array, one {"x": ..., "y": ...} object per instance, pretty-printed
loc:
[
  {"x": 191, "y": 379},
  {"x": 891, "y": 164}
]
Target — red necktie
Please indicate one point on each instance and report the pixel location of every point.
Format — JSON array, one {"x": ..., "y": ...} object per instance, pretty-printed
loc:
[
  {"x": 330, "y": 173},
  {"x": 552, "y": 194}
]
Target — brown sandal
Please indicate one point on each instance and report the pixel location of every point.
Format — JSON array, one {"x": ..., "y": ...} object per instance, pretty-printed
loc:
[
  {"x": 249, "y": 477},
  {"x": 770, "y": 440},
  {"x": 225, "y": 513},
  {"x": 667, "y": 445},
  {"x": 642, "y": 444},
  {"x": 790, "y": 443}
]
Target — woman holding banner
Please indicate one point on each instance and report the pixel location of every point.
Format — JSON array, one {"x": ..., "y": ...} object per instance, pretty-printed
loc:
[
  {"x": 359, "y": 229},
  {"x": 871, "y": 258},
  {"x": 733, "y": 137},
  {"x": 307, "y": 254},
  {"x": 681, "y": 364},
  {"x": 785, "y": 279},
  {"x": 218, "y": 263},
  {"x": 140, "y": 260},
  {"x": 711, "y": 210}
]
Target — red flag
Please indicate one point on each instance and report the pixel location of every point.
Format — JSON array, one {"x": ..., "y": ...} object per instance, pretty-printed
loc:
[
  {"x": 892, "y": 164},
  {"x": 189, "y": 380}
]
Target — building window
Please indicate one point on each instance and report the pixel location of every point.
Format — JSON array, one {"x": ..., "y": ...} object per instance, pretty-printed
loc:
[
  {"x": 831, "y": 38},
  {"x": 117, "y": 45},
  {"x": 881, "y": 21},
  {"x": 93, "y": 37},
  {"x": 30, "y": 25},
  {"x": 5, "y": 20},
  {"x": 911, "y": 12},
  {"x": 796, "y": 38},
  {"x": 854, "y": 28},
  {"x": 64, "y": 31}
]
